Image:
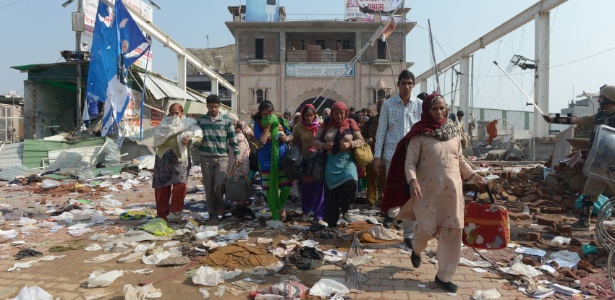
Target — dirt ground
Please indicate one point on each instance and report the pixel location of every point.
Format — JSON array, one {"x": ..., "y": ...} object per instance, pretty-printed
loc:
[{"x": 171, "y": 280}]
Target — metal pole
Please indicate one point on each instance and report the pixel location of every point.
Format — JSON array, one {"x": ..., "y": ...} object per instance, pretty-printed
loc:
[
  {"x": 78, "y": 49},
  {"x": 531, "y": 101}
]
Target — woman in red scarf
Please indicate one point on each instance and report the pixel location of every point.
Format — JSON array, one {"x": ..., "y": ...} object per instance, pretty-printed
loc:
[
  {"x": 312, "y": 191},
  {"x": 429, "y": 165},
  {"x": 340, "y": 135}
]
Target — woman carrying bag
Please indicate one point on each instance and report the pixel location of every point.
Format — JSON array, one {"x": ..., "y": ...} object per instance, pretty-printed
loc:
[
  {"x": 341, "y": 135},
  {"x": 172, "y": 140},
  {"x": 312, "y": 191},
  {"x": 270, "y": 132},
  {"x": 428, "y": 168}
]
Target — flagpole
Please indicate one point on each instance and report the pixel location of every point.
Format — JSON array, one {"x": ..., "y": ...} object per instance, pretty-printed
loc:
[{"x": 143, "y": 96}]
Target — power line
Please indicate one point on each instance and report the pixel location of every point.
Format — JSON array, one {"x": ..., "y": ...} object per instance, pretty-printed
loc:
[{"x": 10, "y": 4}]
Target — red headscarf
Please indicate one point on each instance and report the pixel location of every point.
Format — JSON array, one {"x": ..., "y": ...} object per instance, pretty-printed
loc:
[
  {"x": 395, "y": 193},
  {"x": 314, "y": 125},
  {"x": 346, "y": 123}
]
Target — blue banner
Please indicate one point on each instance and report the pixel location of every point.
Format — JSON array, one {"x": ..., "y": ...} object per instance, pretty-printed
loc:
[{"x": 115, "y": 37}]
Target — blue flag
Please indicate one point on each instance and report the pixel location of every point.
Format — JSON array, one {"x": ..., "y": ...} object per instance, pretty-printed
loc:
[{"x": 115, "y": 38}]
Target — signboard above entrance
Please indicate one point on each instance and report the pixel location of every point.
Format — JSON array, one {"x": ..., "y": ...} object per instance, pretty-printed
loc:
[{"x": 319, "y": 70}]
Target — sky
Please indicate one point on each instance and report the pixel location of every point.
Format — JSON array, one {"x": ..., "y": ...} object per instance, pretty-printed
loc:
[{"x": 581, "y": 43}]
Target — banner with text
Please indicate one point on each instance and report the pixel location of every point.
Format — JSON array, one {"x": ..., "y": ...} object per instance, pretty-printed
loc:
[
  {"x": 353, "y": 11},
  {"x": 319, "y": 70}
]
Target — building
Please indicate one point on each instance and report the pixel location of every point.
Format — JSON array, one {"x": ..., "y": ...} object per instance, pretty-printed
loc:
[{"x": 295, "y": 62}]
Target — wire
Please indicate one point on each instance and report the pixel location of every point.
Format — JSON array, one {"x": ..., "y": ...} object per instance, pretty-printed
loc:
[{"x": 10, "y": 4}]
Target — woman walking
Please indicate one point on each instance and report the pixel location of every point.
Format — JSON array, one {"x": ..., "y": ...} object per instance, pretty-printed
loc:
[
  {"x": 341, "y": 135},
  {"x": 429, "y": 161},
  {"x": 172, "y": 140},
  {"x": 312, "y": 191},
  {"x": 273, "y": 136}
]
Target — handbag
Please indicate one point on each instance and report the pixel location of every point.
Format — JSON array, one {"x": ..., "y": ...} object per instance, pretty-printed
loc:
[
  {"x": 237, "y": 187},
  {"x": 363, "y": 155},
  {"x": 485, "y": 225},
  {"x": 291, "y": 163},
  {"x": 314, "y": 165}
]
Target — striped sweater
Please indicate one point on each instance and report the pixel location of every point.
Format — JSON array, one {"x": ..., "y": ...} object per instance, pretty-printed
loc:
[{"x": 217, "y": 132}]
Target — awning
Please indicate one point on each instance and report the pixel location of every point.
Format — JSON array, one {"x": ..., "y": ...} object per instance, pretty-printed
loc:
[{"x": 161, "y": 88}]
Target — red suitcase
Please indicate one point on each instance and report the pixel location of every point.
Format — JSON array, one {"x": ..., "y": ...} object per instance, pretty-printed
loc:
[{"x": 486, "y": 225}]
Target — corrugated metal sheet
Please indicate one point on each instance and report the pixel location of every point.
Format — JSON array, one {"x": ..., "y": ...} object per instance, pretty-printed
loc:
[
  {"x": 11, "y": 155},
  {"x": 171, "y": 90},
  {"x": 11, "y": 172},
  {"x": 35, "y": 151}
]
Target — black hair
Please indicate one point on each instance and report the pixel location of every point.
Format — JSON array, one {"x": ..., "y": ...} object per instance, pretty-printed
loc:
[
  {"x": 265, "y": 105},
  {"x": 405, "y": 74},
  {"x": 213, "y": 99},
  {"x": 422, "y": 96}
]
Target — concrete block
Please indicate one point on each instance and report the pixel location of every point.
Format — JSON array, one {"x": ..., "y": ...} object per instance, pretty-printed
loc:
[{"x": 533, "y": 236}]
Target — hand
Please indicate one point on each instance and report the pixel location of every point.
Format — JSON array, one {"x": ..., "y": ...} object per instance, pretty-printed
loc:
[
  {"x": 186, "y": 140},
  {"x": 547, "y": 118},
  {"x": 238, "y": 162},
  {"x": 267, "y": 128},
  {"x": 479, "y": 181},
  {"x": 328, "y": 146},
  {"x": 377, "y": 165},
  {"x": 345, "y": 145},
  {"x": 415, "y": 189}
]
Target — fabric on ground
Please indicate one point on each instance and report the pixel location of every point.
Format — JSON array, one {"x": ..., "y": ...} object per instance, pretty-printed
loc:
[{"x": 240, "y": 256}]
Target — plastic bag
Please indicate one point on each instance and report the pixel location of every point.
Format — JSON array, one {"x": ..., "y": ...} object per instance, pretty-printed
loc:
[
  {"x": 98, "y": 278},
  {"x": 487, "y": 295},
  {"x": 157, "y": 227},
  {"x": 33, "y": 293},
  {"x": 327, "y": 287},
  {"x": 206, "y": 276},
  {"x": 49, "y": 184},
  {"x": 141, "y": 292}
]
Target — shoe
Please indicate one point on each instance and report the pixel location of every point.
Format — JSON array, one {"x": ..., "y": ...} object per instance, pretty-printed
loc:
[
  {"x": 583, "y": 223},
  {"x": 388, "y": 222},
  {"x": 220, "y": 217},
  {"x": 408, "y": 242},
  {"x": 323, "y": 223},
  {"x": 447, "y": 286},
  {"x": 415, "y": 259},
  {"x": 346, "y": 216},
  {"x": 174, "y": 218}
]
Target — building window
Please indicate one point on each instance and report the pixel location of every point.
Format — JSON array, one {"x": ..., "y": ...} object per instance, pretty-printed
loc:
[
  {"x": 321, "y": 43},
  {"x": 297, "y": 45},
  {"x": 382, "y": 49},
  {"x": 342, "y": 44},
  {"x": 260, "y": 96},
  {"x": 259, "y": 48},
  {"x": 380, "y": 94}
]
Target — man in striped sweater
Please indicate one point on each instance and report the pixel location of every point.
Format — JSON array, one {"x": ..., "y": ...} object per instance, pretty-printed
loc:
[{"x": 217, "y": 132}]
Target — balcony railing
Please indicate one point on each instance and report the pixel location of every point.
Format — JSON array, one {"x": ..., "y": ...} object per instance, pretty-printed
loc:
[{"x": 342, "y": 55}]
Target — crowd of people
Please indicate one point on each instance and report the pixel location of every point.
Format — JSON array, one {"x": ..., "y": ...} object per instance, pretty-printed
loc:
[{"x": 403, "y": 131}]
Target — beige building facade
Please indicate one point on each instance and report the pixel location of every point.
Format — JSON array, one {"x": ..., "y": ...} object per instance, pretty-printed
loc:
[{"x": 293, "y": 62}]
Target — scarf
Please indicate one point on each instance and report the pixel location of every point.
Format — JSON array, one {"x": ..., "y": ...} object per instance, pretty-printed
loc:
[
  {"x": 395, "y": 191},
  {"x": 274, "y": 121},
  {"x": 169, "y": 127},
  {"x": 314, "y": 125}
]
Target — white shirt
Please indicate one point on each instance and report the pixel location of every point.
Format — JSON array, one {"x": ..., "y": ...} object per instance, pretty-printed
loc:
[{"x": 396, "y": 120}]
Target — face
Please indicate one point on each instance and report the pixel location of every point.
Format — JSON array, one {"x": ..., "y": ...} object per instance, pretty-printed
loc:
[
  {"x": 438, "y": 109},
  {"x": 213, "y": 109},
  {"x": 124, "y": 46},
  {"x": 266, "y": 112},
  {"x": 287, "y": 117},
  {"x": 405, "y": 86},
  {"x": 338, "y": 115},
  {"x": 459, "y": 117},
  {"x": 309, "y": 116},
  {"x": 325, "y": 113},
  {"x": 175, "y": 112}
]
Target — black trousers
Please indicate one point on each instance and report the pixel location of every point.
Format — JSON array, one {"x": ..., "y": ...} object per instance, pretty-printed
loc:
[{"x": 338, "y": 201}]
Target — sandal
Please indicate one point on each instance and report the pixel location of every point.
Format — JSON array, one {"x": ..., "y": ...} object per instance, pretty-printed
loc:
[{"x": 282, "y": 215}]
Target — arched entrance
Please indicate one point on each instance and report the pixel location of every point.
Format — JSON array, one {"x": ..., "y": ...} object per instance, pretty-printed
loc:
[{"x": 317, "y": 102}]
